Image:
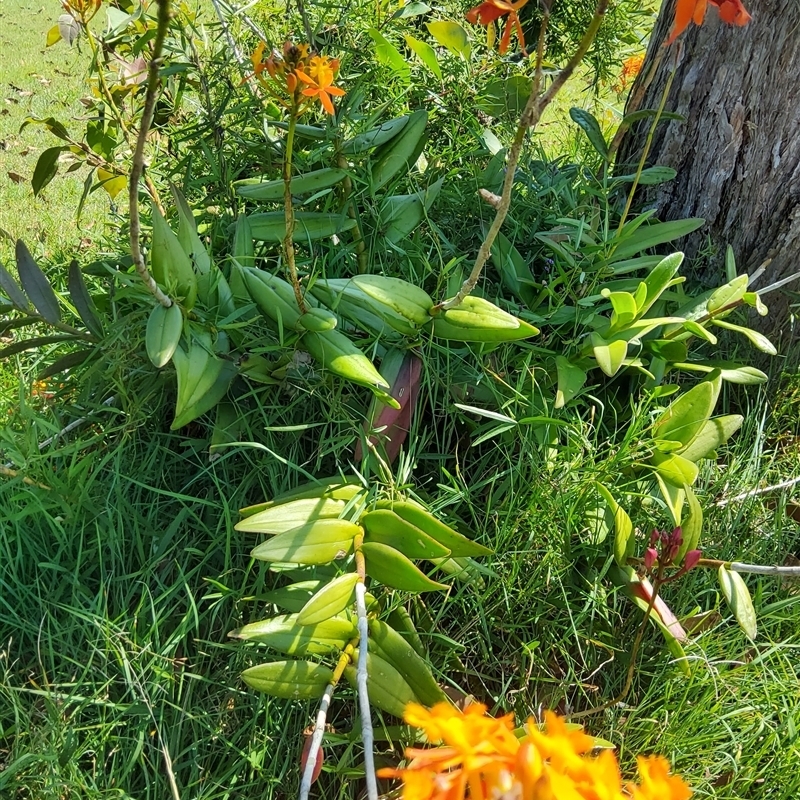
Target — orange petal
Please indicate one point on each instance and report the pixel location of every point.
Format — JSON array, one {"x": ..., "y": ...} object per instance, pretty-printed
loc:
[
  {"x": 683, "y": 16},
  {"x": 506, "y": 40},
  {"x": 699, "y": 12},
  {"x": 326, "y": 102}
]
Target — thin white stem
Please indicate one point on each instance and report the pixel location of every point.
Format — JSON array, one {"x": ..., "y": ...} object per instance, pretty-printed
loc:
[
  {"x": 760, "y": 569},
  {"x": 316, "y": 742},
  {"x": 755, "y": 492},
  {"x": 363, "y": 697}
]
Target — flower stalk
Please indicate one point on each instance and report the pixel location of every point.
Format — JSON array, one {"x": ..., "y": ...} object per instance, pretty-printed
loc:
[
  {"x": 534, "y": 108},
  {"x": 137, "y": 167}
]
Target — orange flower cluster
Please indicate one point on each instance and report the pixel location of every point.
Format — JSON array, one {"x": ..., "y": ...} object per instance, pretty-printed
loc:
[
  {"x": 630, "y": 69},
  {"x": 82, "y": 9},
  {"x": 481, "y": 758},
  {"x": 491, "y": 10},
  {"x": 686, "y": 11},
  {"x": 299, "y": 73}
]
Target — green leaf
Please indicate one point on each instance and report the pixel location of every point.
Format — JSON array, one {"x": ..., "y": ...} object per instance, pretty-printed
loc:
[
  {"x": 309, "y": 225},
  {"x": 12, "y": 290},
  {"x": 36, "y": 286},
  {"x": 68, "y": 361},
  {"x": 624, "y": 305},
  {"x": 571, "y": 380},
  {"x": 286, "y": 635},
  {"x": 609, "y": 355},
  {"x": 659, "y": 279},
  {"x": 514, "y": 272},
  {"x": 686, "y": 415},
  {"x": 674, "y": 497},
  {"x": 330, "y": 600},
  {"x": 758, "y": 340},
  {"x": 82, "y": 301},
  {"x": 711, "y": 436},
  {"x": 651, "y": 176},
  {"x": 292, "y": 514},
  {"x": 292, "y": 680},
  {"x": 46, "y": 168},
  {"x": 728, "y": 294},
  {"x": 591, "y": 127},
  {"x": 648, "y": 236},
  {"x": 163, "y": 333},
  {"x": 425, "y": 53},
  {"x": 389, "y": 55},
  {"x": 392, "y": 568},
  {"x": 737, "y": 596},
  {"x": 748, "y": 376},
  {"x": 413, "y": 9},
  {"x": 505, "y": 96},
  {"x": 31, "y": 344},
  {"x": 754, "y": 300},
  {"x": 675, "y": 469},
  {"x": 691, "y": 525},
  {"x": 649, "y": 113},
  {"x": 450, "y": 35},
  {"x": 51, "y": 123},
  {"x": 316, "y": 543},
  {"x": 190, "y": 241},
  {"x": 699, "y": 330},
  {"x": 53, "y": 36},
  {"x": 667, "y": 349},
  {"x": 624, "y": 541},
  {"x": 293, "y": 597}
]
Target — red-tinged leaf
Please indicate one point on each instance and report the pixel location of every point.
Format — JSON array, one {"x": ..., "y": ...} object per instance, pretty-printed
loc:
[
  {"x": 396, "y": 423},
  {"x": 304, "y": 758},
  {"x": 644, "y": 590}
]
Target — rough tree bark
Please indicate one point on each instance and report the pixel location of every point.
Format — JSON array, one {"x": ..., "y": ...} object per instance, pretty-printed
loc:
[{"x": 738, "y": 153}]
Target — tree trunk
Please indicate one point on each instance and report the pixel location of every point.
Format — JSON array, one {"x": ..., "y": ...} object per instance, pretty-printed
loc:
[{"x": 738, "y": 152}]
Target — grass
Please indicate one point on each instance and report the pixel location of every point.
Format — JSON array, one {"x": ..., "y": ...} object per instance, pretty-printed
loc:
[
  {"x": 119, "y": 582},
  {"x": 39, "y": 82}
]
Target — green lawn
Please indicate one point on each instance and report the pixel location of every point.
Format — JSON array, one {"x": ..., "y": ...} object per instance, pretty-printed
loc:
[{"x": 38, "y": 82}]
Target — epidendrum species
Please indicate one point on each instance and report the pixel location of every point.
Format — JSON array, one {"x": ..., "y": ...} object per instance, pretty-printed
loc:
[{"x": 349, "y": 544}]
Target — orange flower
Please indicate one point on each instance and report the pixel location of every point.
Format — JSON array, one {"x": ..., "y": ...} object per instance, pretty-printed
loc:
[
  {"x": 482, "y": 758},
  {"x": 686, "y": 11},
  {"x": 490, "y": 10},
  {"x": 322, "y": 86},
  {"x": 630, "y": 69},
  {"x": 83, "y": 9},
  {"x": 657, "y": 783},
  {"x": 295, "y": 66}
]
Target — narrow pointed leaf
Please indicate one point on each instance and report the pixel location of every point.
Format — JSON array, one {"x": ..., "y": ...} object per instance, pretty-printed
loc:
[
  {"x": 330, "y": 600},
  {"x": 12, "y": 290},
  {"x": 36, "y": 286},
  {"x": 82, "y": 301}
]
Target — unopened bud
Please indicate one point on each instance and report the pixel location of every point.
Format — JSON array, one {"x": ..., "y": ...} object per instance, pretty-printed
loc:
[
  {"x": 650, "y": 556},
  {"x": 692, "y": 559}
]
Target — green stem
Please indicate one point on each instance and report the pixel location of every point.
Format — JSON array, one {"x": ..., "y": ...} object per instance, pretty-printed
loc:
[
  {"x": 647, "y": 144},
  {"x": 137, "y": 168},
  {"x": 288, "y": 209},
  {"x": 534, "y": 108}
]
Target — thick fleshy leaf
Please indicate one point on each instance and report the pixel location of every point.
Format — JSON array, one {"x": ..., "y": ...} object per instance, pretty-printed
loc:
[
  {"x": 286, "y": 635},
  {"x": 330, "y": 600},
  {"x": 591, "y": 127},
  {"x": 571, "y": 379},
  {"x": 392, "y": 568},
  {"x": 685, "y": 416},
  {"x": 624, "y": 541},
  {"x": 292, "y": 680},
  {"x": 318, "y": 542},
  {"x": 712, "y": 435},
  {"x": 737, "y": 596},
  {"x": 388, "y": 54}
]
